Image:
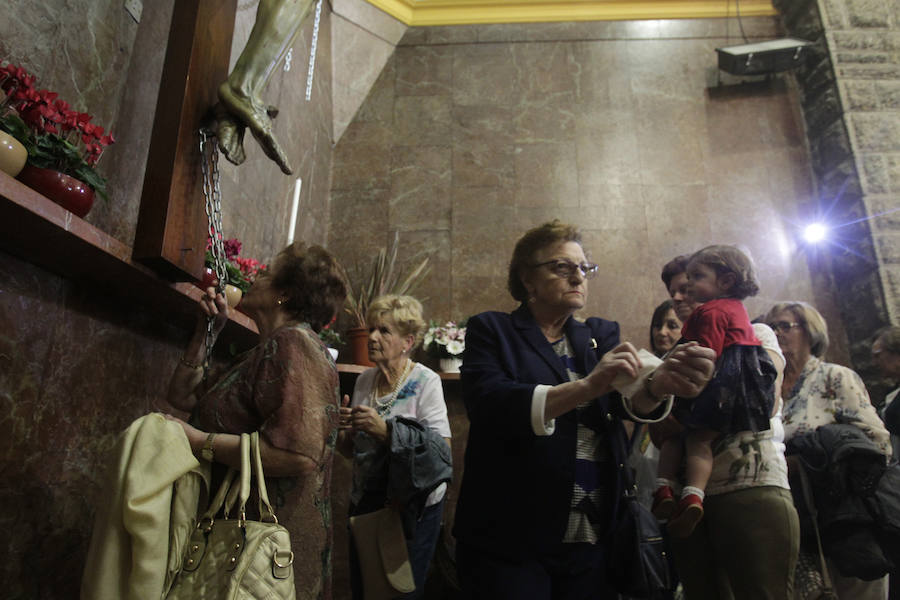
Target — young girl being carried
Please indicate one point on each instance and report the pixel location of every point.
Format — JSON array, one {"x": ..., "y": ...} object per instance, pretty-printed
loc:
[{"x": 738, "y": 398}]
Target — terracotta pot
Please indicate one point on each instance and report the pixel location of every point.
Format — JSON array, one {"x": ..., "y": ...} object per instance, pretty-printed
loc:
[
  {"x": 233, "y": 295},
  {"x": 75, "y": 196},
  {"x": 12, "y": 154},
  {"x": 359, "y": 346}
]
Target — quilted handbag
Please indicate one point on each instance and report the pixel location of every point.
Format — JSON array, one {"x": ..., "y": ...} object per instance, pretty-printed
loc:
[{"x": 235, "y": 558}]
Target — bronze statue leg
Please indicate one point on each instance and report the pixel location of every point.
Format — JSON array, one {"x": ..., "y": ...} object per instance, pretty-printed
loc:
[{"x": 277, "y": 24}]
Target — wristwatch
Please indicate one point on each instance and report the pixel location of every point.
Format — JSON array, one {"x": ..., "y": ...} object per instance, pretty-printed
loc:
[{"x": 207, "y": 451}]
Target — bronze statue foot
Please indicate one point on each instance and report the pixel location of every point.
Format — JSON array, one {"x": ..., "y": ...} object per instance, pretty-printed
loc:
[
  {"x": 230, "y": 135},
  {"x": 258, "y": 119}
]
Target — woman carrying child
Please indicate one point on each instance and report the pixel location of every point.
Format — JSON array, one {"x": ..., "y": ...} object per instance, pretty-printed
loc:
[
  {"x": 745, "y": 547},
  {"x": 741, "y": 395}
]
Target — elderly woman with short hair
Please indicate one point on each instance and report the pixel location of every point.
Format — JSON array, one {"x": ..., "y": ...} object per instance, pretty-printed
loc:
[
  {"x": 816, "y": 392},
  {"x": 819, "y": 393},
  {"x": 540, "y": 485},
  {"x": 394, "y": 401},
  {"x": 286, "y": 387}
]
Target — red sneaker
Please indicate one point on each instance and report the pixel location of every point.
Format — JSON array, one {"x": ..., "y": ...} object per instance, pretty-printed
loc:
[
  {"x": 663, "y": 503},
  {"x": 686, "y": 517}
]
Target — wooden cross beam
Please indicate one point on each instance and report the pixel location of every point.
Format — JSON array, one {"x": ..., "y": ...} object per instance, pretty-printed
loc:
[{"x": 172, "y": 224}]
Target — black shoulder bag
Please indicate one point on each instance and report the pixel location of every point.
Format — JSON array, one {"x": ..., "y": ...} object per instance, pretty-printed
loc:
[{"x": 637, "y": 563}]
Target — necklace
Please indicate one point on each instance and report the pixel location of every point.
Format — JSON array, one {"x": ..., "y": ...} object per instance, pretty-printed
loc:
[{"x": 382, "y": 408}]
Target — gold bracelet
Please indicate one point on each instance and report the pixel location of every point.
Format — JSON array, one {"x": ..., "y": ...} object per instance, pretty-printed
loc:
[{"x": 189, "y": 364}]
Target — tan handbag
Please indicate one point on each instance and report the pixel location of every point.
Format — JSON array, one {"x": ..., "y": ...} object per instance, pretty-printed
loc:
[
  {"x": 237, "y": 559},
  {"x": 383, "y": 559}
]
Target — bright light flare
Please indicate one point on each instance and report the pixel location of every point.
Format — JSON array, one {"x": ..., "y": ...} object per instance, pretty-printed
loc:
[{"x": 815, "y": 233}]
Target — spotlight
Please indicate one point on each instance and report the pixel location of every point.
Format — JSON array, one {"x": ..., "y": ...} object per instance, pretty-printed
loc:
[{"x": 815, "y": 233}]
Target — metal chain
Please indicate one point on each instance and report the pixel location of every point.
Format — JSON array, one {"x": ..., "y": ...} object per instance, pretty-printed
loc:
[
  {"x": 312, "y": 51},
  {"x": 209, "y": 165}
]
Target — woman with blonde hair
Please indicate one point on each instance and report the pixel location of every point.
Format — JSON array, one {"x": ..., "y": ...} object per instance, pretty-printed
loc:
[{"x": 398, "y": 407}]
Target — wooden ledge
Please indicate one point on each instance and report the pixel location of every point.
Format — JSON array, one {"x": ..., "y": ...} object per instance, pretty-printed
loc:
[
  {"x": 45, "y": 234},
  {"x": 357, "y": 369}
]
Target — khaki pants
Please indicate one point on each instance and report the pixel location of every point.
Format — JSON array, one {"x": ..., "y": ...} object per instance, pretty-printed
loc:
[{"x": 744, "y": 548}]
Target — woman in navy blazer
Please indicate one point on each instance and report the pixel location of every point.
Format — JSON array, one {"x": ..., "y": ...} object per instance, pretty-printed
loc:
[{"x": 540, "y": 483}]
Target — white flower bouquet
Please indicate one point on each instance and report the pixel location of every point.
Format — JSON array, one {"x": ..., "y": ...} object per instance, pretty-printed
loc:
[{"x": 446, "y": 341}]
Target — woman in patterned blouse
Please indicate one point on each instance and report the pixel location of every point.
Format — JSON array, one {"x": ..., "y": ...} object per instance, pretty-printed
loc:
[
  {"x": 819, "y": 393},
  {"x": 285, "y": 387}
]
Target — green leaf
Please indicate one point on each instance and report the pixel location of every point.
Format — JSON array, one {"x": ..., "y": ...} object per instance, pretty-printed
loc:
[{"x": 383, "y": 278}]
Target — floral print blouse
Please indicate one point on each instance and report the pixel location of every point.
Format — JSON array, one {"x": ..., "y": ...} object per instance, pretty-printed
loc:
[{"x": 827, "y": 393}]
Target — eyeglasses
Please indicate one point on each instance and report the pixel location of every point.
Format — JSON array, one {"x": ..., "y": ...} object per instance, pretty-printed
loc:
[
  {"x": 566, "y": 268},
  {"x": 783, "y": 326}
]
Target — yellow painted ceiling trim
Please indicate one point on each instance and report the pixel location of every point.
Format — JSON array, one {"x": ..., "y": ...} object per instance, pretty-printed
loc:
[{"x": 471, "y": 12}]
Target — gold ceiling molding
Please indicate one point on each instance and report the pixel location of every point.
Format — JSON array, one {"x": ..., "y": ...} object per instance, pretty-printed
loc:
[{"x": 472, "y": 12}]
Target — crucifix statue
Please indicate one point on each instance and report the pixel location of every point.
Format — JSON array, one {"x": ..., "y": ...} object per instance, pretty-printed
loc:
[
  {"x": 240, "y": 96},
  {"x": 172, "y": 225}
]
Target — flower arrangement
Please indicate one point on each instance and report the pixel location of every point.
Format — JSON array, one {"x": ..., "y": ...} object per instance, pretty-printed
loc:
[
  {"x": 240, "y": 271},
  {"x": 330, "y": 336},
  {"x": 447, "y": 340},
  {"x": 55, "y": 136}
]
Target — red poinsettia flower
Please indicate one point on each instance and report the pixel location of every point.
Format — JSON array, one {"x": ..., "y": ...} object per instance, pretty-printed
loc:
[{"x": 55, "y": 127}]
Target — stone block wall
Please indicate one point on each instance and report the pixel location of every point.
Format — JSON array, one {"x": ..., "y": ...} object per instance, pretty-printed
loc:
[{"x": 850, "y": 93}]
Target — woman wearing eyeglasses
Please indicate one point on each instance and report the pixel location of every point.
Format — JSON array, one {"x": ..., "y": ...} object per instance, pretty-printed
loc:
[
  {"x": 819, "y": 393},
  {"x": 816, "y": 392},
  {"x": 539, "y": 488}
]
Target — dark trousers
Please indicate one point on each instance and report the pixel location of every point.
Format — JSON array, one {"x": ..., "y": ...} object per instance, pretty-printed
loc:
[
  {"x": 420, "y": 550},
  {"x": 572, "y": 572}
]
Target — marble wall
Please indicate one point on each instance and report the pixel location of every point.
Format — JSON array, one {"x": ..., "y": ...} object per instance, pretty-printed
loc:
[
  {"x": 363, "y": 39},
  {"x": 474, "y": 134},
  {"x": 78, "y": 363}
]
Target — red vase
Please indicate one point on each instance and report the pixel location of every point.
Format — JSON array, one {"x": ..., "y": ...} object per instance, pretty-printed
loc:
[
  {"x": 208, "y": 279},
  {"x": 75, "y": 196}
]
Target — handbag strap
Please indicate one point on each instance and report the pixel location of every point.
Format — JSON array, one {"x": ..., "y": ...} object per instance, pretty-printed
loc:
[
  {"x": 625, "y": 446},
  {"x": 265, "y": 507},
  {"x": 219, "y": 499},
  {"x": 244, "y": 493},
  {"x": 236, "y": 494},
  {"x": 828, "y": 592},
  {"x": 235, "y": 488}
]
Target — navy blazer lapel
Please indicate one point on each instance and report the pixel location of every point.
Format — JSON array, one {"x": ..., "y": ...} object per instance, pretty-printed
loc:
[
  {"x": 583, "y": 345},
  {"x": 532, "y": 334}
]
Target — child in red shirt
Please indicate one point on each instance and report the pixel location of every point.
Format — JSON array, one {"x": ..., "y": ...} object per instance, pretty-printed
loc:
[{"x": 741, "y": 393}]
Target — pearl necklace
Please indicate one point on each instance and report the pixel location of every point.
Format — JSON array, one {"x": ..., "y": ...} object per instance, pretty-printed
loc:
[{"x": 382, "y": 408}]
